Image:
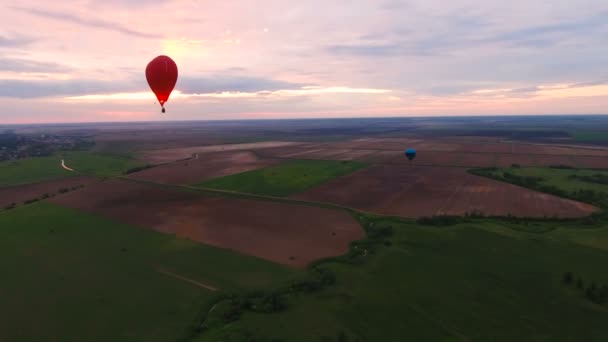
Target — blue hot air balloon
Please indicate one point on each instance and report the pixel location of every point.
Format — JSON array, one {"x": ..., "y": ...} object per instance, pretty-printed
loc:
[{"x": 410, "y": 153}]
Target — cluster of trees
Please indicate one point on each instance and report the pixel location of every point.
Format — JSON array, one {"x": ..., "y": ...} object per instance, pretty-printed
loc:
[
  {"x": 525, "y": 181},
  {"x": 597, "y": 178},
  {"x": 377, "y": 235},
  {"x": 258, "y": 302},
  {"x": 597, "y": 198},
  {"x": 44, "y": 196},
  {"x": 593, "y": 292},
  {"x": 137, "y": 169},
  {"x": 275, "y": 301},
  {"x": 441, "y": 220}
]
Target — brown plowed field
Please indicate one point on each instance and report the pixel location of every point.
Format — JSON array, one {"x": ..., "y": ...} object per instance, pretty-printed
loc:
[
  {"x": 507, "y": 160},
  {"x": 591, "y": 162},
  {"x": 172, "y": 154},
  {"x": 356, "y": 155},
  {"x": 548, "y": 160},
  {"x": 412, "y": 191},
  {"x": 324, "y": 154},
  {"x": 20, "y": 193},
  {"x": 288, "y": 234},
  {"x": 204, "y": 167}
]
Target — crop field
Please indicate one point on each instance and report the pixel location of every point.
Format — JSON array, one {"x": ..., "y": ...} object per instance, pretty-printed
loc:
[
  {"x": 38, "y": 169},
  {"x": 285, "y": 179},
  {"x": 288, "y": 234},
  {"x": 162, "y": 156},
  {"x": 309, "y": 230},
  {"x": 204, "y": 167},
  {"x": 17, "y": 194},
  {"x": 428, "y": 283},
  {"x": 412, "y": 191},
  {"x": 30, "y": 170},
  {"x": 568, "y": 180},
  {"x": 100, "y": 165},
  {"x": 67, "y": 275}
]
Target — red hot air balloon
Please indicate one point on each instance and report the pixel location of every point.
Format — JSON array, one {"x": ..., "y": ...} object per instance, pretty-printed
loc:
[{"x": 161, "y": 74}]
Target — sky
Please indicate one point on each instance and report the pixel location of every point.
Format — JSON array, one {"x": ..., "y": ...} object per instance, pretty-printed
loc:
[{"x": 84, "y": 61}]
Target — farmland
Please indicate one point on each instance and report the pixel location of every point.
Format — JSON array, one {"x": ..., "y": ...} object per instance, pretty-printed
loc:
[
  {"x": 256, "y": 228},
  {"x": 427, "y": 191},
  {"x": 204, "y": 167},
  {"x": 73, "y": 276},
  {"x": 310, "y": 230},
  {"x": 30, "y": 170},
  {"x": 430, "y": 283},
  {"x": 285, "y": 179}
]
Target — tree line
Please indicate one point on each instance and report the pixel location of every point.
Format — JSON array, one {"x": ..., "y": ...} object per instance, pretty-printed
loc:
[{"x": 595, "y": 293}]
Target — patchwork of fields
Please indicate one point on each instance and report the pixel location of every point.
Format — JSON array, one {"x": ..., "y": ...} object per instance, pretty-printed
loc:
[{"x": 162, "y": 253}]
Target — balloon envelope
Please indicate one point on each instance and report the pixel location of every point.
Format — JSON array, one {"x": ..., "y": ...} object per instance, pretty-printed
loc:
[
  {"x": 410, "y": 153},
  {"x": 161, "y": 74}
]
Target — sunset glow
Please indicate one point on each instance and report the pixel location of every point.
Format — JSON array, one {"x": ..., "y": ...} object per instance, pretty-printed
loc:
[{"x": 287, "y": 59}]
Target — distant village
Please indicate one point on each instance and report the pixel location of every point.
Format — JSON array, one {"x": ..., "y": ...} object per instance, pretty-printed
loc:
[{"x": 16, "y": 146}]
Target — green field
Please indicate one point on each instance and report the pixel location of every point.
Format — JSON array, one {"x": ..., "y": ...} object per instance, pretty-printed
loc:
[
  {"x": 559, "y": 177},
  {"x": 30, "y": 170},
  {"x": 481, "y": 281},
  {"x": 70, "y": 276},
  {"x": 564, "y": 182},
  {"x": 101, "y": 165},
  {"x": 285, "y": 179},
  {"x": 590, "y": 136}
]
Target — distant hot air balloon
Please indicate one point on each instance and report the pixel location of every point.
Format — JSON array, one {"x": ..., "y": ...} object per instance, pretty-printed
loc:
[
  {"x": 410, "y": 153},
  {"x": 161, "y": 74}
]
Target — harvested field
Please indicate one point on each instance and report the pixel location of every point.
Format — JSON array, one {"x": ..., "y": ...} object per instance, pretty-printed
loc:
[
  {"x": 172, "y": 154},
  {"x": 204, "y": 167},
  {"x": 20, "y": 193},
  {"x": 549, "y": 160},
  {"x": 355, "y": 155},
  {"x": 475, "y": 159},
  {"x": 288, "y": 234},
  {"x": 412, "y": 191},
  {"x": 591, "y": 162},
  {"x": 325, "y": 153},
  {"x": 506, "y": 160}
]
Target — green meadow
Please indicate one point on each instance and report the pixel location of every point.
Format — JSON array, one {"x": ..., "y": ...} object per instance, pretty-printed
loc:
[
  {"x": 485, "y": 280},
  {"x": 71, "y": 276},
  {"x": 30, "y": 170},
  {"x": 284, "y": 179}
]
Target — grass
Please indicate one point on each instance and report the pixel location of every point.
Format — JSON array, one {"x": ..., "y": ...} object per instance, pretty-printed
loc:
[
  {"x": 70, "y": 276},
  {"x": 590, "y": 136},
  {"x": 479, "y": 281},
  {"x": 100, "y": 165},
  {"x": 31, "y": 170},
  {"x": 285, "y": 179},
  {"x": 578, "y": 184},
  {"x": 560, "y": 177}
]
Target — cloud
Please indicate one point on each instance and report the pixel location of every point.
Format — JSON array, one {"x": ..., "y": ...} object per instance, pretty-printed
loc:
[
  {"x": 15, "y": 42},
  {"x": 221, "y": 83},
  {"x": 266, "y": 94},
  {"x": 215, "y": 84},
  {"x": 29, "y": 89},
  {"x": 88, "y": 22},
  {"x": 533, "y": 35},
  {"x": 24, "y": 65}
]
